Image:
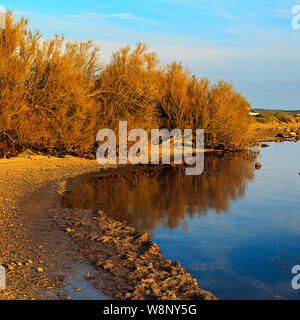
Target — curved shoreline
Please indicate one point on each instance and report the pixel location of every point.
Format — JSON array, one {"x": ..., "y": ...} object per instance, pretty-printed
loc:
[{"x": 132, "y": 264}]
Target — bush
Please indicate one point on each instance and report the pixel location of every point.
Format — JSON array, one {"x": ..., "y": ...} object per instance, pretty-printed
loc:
[
  {"x": 43, "y": 103},
  {"x": 128, "y": 89},
  {"x": 276, "y": 117},
  {"x": 281, "y": 117},
  {"x": 218, "y": 109},
  {"x": 54, "y": 97}
]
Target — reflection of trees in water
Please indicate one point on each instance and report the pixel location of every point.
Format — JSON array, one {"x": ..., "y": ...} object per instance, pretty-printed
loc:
[{"x": 165, "y": 196}]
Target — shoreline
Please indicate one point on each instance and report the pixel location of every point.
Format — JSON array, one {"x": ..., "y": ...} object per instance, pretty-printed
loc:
[
  {"x": 28, "y": 194},
  {"x": 40, "y": 235},
  {"x": 31, "y": 188},
  {"x": 277, "y": 132}
]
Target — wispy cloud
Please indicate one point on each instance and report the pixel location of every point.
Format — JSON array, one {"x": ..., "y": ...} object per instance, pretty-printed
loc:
[
  {"x": 92, "y": 15},
  {"x": 22, "y": 13},
  {"x": 282, "y": 12}
]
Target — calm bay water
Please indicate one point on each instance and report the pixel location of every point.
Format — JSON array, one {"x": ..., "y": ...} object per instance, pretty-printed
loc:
[{"x": 234, "y": 228}]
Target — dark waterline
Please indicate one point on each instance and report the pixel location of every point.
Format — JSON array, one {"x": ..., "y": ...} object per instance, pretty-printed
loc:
[{"x": 235, "y": 229}]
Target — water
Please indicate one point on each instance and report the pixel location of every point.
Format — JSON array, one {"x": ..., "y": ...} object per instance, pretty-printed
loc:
[
  {"x": 234, "y": 228},
  {"x": 78, "y": 280}
]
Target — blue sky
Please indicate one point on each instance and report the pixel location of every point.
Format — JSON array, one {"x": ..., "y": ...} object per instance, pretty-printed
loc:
[{"x": 250, "y": 43}]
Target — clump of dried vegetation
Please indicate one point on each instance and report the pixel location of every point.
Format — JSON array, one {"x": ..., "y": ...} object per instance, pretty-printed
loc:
[{"x": 54, "y": 96}]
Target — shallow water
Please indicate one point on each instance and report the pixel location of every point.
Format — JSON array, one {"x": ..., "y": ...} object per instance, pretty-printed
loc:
[
  {"x": 234, "y": 228},
  {"x": 78, "y": 280}
]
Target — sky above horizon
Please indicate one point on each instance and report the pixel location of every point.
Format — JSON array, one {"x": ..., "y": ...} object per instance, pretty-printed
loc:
[{"x": 250, "y": 43}]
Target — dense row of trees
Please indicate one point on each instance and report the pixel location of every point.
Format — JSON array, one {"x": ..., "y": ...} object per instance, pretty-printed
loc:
[{"x": 54, "y": 96}]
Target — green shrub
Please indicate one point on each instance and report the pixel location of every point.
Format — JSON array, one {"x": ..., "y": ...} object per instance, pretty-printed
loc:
[{"x": 277, "y": 117}]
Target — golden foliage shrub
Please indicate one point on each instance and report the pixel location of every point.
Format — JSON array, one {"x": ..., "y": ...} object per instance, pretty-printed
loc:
[
  {"x": 128, "y": 89},
  {"x": 43, "y": 88},
  {"x": 218, "y": 109},
  {"x": 54, "y": 97}
]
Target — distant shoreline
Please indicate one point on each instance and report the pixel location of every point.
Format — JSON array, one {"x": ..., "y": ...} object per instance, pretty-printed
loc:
[{"x": 277, "y": 132}]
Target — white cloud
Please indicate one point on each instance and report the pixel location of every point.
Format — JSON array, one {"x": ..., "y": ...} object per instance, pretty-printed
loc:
[
  {"x": 21, "y": 13},
  {"x": 89, "y": 15},
  {"x": 282, "y": 12}
]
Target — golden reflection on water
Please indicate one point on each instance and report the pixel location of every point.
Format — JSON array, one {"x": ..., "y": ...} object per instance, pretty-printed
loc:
[{"x": 164, "y": 197}]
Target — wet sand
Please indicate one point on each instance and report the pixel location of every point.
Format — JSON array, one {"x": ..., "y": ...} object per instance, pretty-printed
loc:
[{"x": 44, "y": 245}]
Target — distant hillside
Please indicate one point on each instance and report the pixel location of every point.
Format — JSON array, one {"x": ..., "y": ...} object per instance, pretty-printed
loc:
[{"x": 287, "y": 112}]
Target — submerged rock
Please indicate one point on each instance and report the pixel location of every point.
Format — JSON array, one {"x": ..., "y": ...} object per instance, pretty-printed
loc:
[{"x": 258, "y": 165}]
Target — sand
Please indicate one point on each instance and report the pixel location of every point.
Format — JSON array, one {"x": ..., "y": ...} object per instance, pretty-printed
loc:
[{"x": 42, "y": 244}]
